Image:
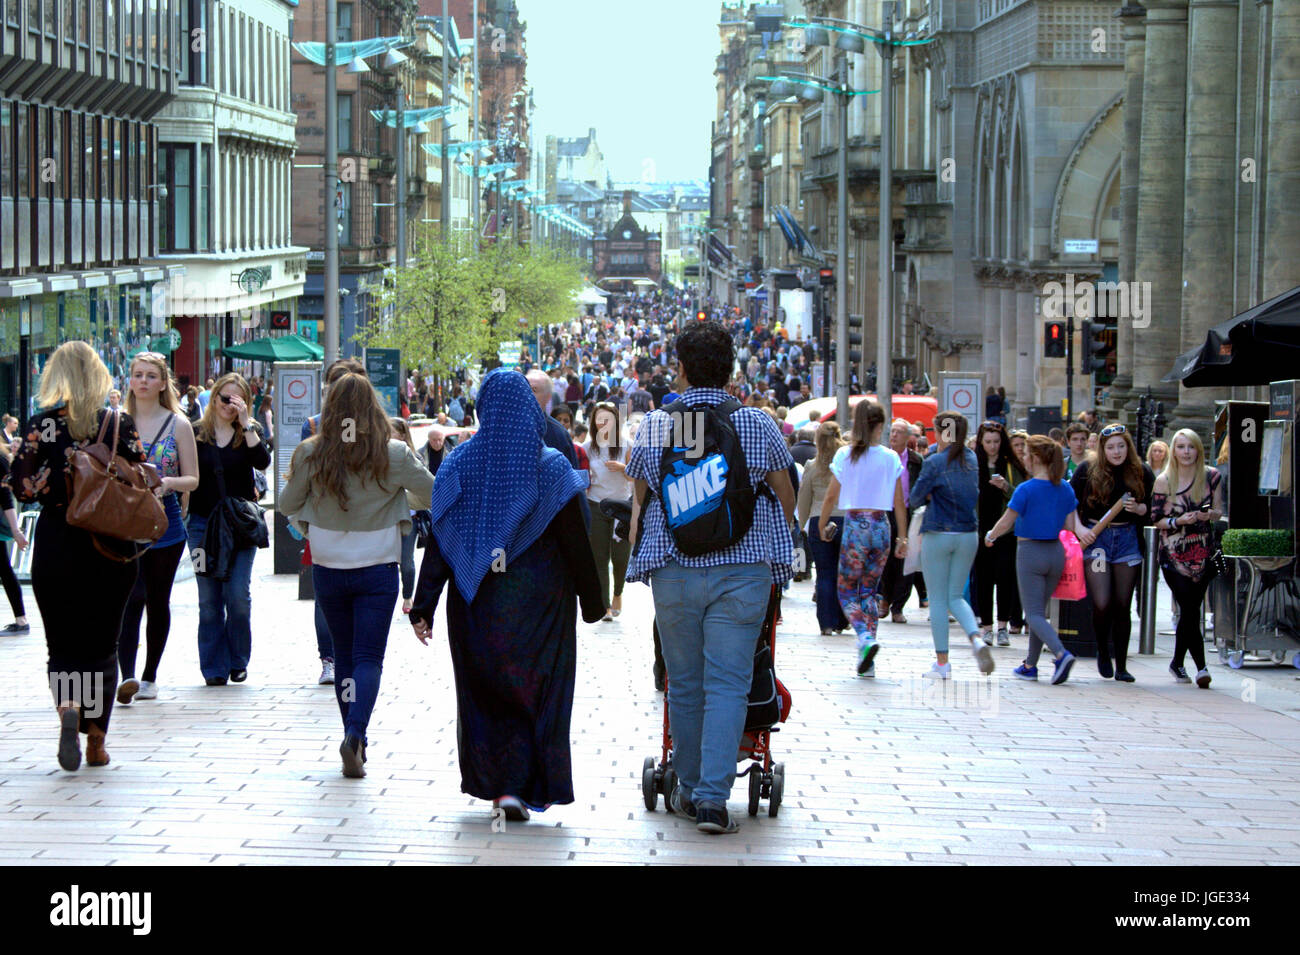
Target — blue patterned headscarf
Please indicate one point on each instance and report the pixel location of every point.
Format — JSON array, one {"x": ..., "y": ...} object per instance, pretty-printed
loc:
[{"x": 497, "y": 492}]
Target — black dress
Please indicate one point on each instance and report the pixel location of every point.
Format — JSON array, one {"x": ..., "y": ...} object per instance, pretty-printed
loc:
[
  {"x": 514, "y": 652},
  {"x": 80, "y": 592}
]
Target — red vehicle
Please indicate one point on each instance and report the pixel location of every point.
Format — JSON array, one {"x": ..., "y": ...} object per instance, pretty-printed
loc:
[{"x": 918, "y": 409}]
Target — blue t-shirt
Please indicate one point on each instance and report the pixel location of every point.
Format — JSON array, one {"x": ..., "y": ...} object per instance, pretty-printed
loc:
[{"x": 1042, "y": 508}]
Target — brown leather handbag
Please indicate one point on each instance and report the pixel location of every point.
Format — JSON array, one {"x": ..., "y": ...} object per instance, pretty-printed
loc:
[{"x": 112, "y": 496}]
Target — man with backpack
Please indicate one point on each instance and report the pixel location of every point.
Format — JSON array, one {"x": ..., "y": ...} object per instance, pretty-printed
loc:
[{"x": 711, "y": 521}]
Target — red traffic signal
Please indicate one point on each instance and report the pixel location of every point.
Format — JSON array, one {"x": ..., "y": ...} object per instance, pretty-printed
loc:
[
  {"x": 701, "y": 316},
  {"x": 826, "y": 276},
  {"x": 1054, "y": 340}
]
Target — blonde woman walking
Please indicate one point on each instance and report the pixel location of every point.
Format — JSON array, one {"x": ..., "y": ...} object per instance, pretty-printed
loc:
[
  {"x": 81, "y": 624},
  {"x": 153, "y": 405}
]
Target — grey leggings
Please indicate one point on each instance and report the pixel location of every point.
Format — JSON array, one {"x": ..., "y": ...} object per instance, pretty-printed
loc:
[{"x": 1038, "y": 571}]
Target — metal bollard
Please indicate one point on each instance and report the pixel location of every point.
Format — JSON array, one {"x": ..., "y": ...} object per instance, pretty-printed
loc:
[{"x": 1147, "y": 639}]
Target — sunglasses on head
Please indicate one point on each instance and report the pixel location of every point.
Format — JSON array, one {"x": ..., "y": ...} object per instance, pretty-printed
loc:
[{"x": 1113, "y": 429}]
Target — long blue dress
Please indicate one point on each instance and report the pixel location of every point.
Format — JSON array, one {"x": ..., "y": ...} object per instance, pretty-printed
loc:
[{"x": 514, "y": 652}]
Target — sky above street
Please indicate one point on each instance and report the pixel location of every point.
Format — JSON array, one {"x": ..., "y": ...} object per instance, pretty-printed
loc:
[{"x": 641, "y": 74}]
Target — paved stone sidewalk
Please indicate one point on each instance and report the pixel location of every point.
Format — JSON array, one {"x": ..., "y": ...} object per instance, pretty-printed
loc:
[{"x": 893, "y": 770}]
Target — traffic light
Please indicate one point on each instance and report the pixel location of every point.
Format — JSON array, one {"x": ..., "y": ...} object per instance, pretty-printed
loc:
[
  {"x": 855, "y": 339},
  {"x": 826, "y": 276},
  {"x": 1054, "y": 340},
  {"x": 701, "y": 315},
  {"x": 1091, "y": 340}
]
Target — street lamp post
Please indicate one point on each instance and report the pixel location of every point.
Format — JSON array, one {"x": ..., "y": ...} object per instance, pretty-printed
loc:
[
  {"x": 842, "y": 363},
  {"x": 885, "y": 337},
  {"x": 399, "y": 207},
  {"x": 330, "y": 313},
  {"x": 851, "y": 36},
  {"x": 478, "y": 227},
  {"x": 446, "y": 122}
]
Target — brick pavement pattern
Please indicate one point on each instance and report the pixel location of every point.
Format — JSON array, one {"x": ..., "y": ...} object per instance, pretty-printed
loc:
[{"x": 891, "y": 770}]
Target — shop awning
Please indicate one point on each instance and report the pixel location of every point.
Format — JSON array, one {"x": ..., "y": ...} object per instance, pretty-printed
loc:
[
  {"x": 1259, "y": 346},
  {"x": 283, "y": 348},
  {"x": 719, "y": 255},
  {"x": 795, "y": 236}
]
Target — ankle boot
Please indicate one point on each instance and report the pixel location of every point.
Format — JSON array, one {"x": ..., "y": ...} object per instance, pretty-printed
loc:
[
  {"x": 69, "y": 736},
  {"x": 96, "y": 755}
]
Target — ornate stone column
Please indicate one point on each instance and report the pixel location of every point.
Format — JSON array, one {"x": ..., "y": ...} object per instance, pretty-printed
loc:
[
  {"x": 1160, "y": 196},
  {"x": 1133, "y": 17},
  {"x": 1210, "y": 177},
  {"x": 1282, "y": 162}
]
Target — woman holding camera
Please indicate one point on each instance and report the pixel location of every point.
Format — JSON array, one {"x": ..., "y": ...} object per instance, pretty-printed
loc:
[{"x": 230, "y": 448}]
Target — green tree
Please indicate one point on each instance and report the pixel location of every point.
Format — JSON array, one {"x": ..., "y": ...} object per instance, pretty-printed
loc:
[{"x": 454, "y": 303}]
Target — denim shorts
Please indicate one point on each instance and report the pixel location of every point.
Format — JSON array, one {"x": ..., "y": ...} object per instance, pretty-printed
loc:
[{"x": 1117, "y": 545}]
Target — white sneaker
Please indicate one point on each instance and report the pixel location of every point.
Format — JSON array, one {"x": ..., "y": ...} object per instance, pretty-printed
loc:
[
  {"x": 1004, "y": 638},
  {"x": 147, "y": 691},
  {"x": 326, "y": 673},
  {"x": 937, "y": 672},
  {"x": 983, "y": 655}
]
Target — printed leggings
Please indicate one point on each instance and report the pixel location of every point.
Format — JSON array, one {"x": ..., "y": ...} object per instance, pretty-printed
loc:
[{"x": 864, "y": 551}]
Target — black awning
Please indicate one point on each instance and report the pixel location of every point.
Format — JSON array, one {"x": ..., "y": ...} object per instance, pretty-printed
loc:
[{"x": 1259, "y": 346}]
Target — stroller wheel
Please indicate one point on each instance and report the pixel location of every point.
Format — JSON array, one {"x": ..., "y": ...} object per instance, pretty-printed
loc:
[
  {"x": 755, "y": 788},
  {"x": 778, "y": 789},
  {"x": 649, "y": 790},
  {"x": 668, "y": 785}
]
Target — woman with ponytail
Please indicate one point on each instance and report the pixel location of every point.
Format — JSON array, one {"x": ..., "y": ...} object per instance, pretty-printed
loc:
[
  {"x": 1040, "y": 508},
  {"x": 866, "y": 482}
]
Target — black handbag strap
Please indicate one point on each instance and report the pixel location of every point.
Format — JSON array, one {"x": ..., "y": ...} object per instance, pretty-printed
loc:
[{"x": 170, "y": 422}]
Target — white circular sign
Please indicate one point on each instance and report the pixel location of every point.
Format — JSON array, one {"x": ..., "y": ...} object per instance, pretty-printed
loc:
[
  {"x": 297, "y": 388},
  {"x": 961, "y": 398}
]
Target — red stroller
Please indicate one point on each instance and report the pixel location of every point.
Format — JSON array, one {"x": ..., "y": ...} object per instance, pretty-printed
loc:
[{"x": 769, "y": 704}]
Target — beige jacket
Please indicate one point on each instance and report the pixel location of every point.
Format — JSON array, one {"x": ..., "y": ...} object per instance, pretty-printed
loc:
[
  {"x": 370, "y": 508},
  {"x": 814, "y": 484}
]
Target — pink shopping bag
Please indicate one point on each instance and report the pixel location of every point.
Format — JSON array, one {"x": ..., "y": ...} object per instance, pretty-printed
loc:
[{"x": 1071, "y": 585}]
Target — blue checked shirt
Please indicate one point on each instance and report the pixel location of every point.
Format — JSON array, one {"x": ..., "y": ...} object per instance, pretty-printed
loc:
[{"x": 768, "y": 541}]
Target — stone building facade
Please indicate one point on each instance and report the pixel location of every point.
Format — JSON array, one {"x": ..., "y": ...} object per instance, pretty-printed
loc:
[{"x": 1211, "y": 179}]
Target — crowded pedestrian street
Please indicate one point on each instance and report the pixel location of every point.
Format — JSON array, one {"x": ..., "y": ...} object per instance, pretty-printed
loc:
[{"x": 892, "y": 770}]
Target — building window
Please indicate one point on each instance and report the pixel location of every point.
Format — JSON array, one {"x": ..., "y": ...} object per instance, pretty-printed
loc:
[
  {"x": 344, "y": 215},
  {"x": 205, "y": 196},
  {"x": 11, "y": 12},
  {"x": 6, "y": 152},
  {"x": 345, "y": 122},
  {"x": 26, "y": 119},
  {"x": 176, "y": 172},
  {"x": 110, "y": 26},
  {"x": 345, "y": 23},
  {"x": 193, "y": 63}
]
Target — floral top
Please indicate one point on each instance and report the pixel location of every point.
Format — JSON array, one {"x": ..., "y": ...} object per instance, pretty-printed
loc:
[
  {"x": 1187, "y": 549},
  {"x": 42, "y": 469}
]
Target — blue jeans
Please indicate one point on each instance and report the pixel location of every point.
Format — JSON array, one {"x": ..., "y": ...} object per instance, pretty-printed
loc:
[
  {"x": 358, "y": 606},
  {"x": 709, "y": 621},
  {"x": 324, "y": 645},
  {"x": 945, "y": 562},
  {"x": 826, "y": 560},
  {"x": 225, "y": 610}
]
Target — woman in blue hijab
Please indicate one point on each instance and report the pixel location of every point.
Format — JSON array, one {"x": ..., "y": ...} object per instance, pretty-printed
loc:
[{"x": 508, "y": 534}]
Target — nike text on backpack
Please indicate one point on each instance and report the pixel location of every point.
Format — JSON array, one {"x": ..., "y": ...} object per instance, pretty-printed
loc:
[{"x": 704, "y": 485}]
